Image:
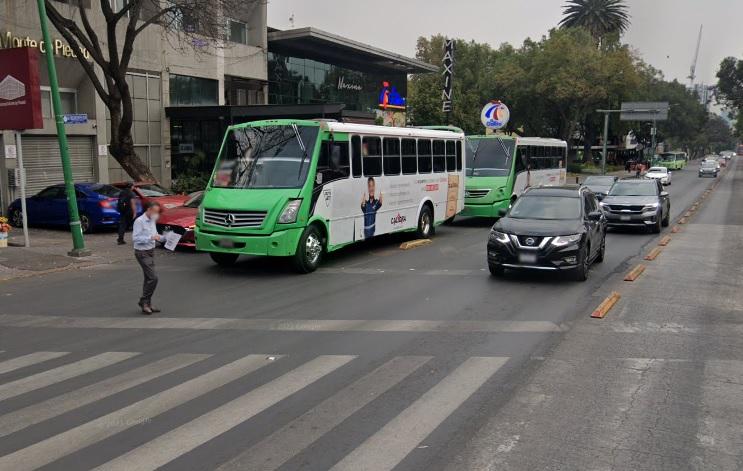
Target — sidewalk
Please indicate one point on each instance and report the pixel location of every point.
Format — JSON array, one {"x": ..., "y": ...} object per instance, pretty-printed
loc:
[{"x": 48, "y": 252}]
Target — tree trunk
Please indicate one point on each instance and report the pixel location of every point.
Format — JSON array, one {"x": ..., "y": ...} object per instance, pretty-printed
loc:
[{"x": 122, "y": 147}]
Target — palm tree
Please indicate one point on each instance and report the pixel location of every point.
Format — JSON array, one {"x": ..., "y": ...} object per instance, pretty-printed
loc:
[{"x": 599, "y": 17}]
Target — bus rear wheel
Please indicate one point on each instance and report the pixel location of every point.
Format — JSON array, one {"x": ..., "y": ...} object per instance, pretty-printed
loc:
[
  {"x": 309, "y": 250},
  {"x": 425, "y": 223},
  {"x": 224, "y": 259}
]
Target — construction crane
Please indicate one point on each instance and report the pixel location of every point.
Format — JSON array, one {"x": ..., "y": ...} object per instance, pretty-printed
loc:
[{"x": 693, "y": 75}]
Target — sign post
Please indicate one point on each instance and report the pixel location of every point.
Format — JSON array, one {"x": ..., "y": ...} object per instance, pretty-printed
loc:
[
  {"x": 22, "y": 181},
  {"x": 78, "y": 243}
]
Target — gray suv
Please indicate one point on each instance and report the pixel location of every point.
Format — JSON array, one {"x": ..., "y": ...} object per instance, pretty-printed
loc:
[{"x": 638, "y": 203}]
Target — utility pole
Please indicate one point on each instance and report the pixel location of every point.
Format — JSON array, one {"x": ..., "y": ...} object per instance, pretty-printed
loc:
[{"x": 78, "y": 243}]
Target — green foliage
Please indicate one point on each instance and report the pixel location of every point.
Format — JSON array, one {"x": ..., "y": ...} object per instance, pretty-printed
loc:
[
  {"x": 601, "y": 18},
  {"x": 730, "y": 89}
]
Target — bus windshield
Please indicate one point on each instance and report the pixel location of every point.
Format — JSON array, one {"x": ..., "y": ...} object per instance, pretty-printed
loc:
[
  {"x": 266, "y": 157},
  {"x": 668, "y": 157},
  {"x": 489, "y": 157}
]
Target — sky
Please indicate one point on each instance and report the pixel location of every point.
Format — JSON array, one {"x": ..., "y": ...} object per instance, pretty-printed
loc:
[{"x": 664, "y": 32}]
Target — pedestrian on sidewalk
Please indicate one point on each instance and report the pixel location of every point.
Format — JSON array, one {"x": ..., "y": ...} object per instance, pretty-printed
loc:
[
  {"x": 127, "y": 208},
  {"x": 145, "y": 238}
]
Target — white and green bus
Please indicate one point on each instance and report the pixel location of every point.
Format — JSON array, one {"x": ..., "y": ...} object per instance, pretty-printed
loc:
[
  {"x": 297, "y": 188},
  {"x": 673, "y": 160},
  {"x": 500, "y": 168}
]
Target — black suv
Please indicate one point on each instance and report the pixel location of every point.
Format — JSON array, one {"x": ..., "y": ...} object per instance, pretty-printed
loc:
[
  {"x": 639, "y": 203},
  {"x": 549, "y": 228}
]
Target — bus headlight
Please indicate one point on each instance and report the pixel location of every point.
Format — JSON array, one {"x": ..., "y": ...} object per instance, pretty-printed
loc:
[
  {"x": 290, "y": 212},
  {"x": 562, "y": 241}
]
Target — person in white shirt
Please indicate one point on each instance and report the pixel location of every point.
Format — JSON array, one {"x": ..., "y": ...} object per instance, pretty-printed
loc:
[{"x": 145, "y": 237}]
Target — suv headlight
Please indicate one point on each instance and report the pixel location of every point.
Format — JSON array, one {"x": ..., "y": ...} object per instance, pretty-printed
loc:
[
  {"x": 650, "y": 207},
  {"x": 290, "y": 212},
  {"x": 499, "y": 237},
  {"x": 562, "y": 241}
]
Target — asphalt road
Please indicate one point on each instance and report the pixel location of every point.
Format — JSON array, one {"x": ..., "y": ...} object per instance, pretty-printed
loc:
[{"x": 382, "y": 359}]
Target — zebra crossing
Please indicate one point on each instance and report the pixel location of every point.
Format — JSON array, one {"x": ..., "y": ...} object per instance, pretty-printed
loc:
[{"x": 199, "y": 376}]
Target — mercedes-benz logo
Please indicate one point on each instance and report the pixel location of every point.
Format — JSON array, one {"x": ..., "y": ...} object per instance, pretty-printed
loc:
[
  {"x": 530, "y": 241},
  {"x": 229, "y": 219}
]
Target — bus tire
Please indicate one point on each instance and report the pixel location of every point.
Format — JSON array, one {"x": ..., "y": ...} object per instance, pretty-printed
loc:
[
  {"x": 309, "y": 250},
  {"x": 224, "y": 259},
  {"x": 425, "y": 223}
]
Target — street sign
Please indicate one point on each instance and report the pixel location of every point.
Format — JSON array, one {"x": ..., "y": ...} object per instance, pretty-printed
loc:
[
  {"x": 644, "y": 111},
  {"x": 80, "y": 118},
  {"x": 20, "y": 95},
  {"x": 446, "y": 95},
  {"x": 495, "y": 115}
]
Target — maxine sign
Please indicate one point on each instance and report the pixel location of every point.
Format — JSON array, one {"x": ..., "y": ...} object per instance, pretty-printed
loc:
[{"x": 20, "y": 95}]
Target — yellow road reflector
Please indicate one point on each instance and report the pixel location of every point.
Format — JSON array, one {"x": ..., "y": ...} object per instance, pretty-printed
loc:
[
  {"x": 653, "y": 254},
  {"x": 606, "y": 306},
  {"x": 635, "y": 273},
  {"x": 414, "y": 243},
  {"x": 665, "y": 241}
]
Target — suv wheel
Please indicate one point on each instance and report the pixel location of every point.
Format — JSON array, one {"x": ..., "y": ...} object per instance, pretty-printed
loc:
[
  {"x": 656, "y": 228},
  {"x": 16, "y": 218},
  {"x": 602, "y": 250},
  {"x": 584, "y": 259},
  {"x": 667, "y": 218},
  {"x": 496, "y": 270}
]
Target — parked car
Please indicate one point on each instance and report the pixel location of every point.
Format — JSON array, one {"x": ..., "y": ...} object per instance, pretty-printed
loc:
[
  {"x": 638, "y": 203},
  {"x": 96, "y": 204},
  {"x": 659, "y": 173},
  {"x": 146, "y": 192},
  {"x": 552, "y": 229},
  {"x": 600, "y": 184},
  {"x": 709, "y": 168},
  {"x": 182, "y": 220}
]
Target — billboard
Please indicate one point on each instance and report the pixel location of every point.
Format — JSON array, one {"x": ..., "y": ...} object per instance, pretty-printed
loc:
[
  {"x": 20, "y": 95},
  {"x": 644, "y": 111},
  {"x": 446, "y": 95}
]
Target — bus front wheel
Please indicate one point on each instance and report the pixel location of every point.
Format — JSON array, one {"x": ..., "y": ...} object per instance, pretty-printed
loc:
[
  {"x": 224, "y": 259},
  {"x": 309, "y": 250}
]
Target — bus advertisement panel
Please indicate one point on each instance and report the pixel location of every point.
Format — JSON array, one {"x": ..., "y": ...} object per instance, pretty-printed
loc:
[
  {"x": 500, "y": 168},
  {"x": 303, "y": 188}
]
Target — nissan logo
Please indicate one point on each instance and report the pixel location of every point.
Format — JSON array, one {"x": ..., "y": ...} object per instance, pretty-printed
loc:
[
  {"x": 229, "y": 219},
  {"x": 530, "y": 241}
]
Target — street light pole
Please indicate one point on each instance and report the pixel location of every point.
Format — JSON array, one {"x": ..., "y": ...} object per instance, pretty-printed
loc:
[
  {"x": 606, "y": 138},
  {"x": 78, "y": 243}
]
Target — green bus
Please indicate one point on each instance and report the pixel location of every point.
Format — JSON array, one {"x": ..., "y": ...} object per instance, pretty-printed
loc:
[
  {"x": 500, "y": 168},
  {"x": 302, "y": 188},
  {"x": 673, "y": 160}
]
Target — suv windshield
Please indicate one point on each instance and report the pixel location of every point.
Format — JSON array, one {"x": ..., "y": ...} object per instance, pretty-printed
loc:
[
  {"x": 599, "y": 181},
  {"x": 266, "y": 157},
  {"x": 709, "y": 164},
  {"x": 634, "y": 189},
  {"x": 489, "y": 157},
  {"x": 546, "y": 207},
  {"x": 151, "y": 190}
]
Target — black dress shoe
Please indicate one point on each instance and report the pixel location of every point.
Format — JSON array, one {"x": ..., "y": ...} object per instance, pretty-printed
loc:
[
  {"x": 121, "y": 242},
  {"x": 154, "y": 309}
]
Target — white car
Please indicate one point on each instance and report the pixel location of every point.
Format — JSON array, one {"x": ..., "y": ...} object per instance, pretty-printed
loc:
[{"x": 659, "y": 173}]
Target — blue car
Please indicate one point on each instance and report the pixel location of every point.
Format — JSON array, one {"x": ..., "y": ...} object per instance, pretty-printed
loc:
[{"x": 96, "y": 203}]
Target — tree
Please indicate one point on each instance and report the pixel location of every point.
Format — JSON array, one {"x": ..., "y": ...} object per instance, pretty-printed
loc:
[
  {"x": 599, "y": 17},
  {"x": 730, "y": 89},
  {"x": 107, "y": 35}
]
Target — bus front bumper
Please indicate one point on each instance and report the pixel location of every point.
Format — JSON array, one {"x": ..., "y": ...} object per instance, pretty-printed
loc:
[
  {"x": 278, "y": 244},
  {"x": 489, "y": 210}
]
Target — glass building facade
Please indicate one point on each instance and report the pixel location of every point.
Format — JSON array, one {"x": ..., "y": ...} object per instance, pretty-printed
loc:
[{"x": 295, "y": 80}]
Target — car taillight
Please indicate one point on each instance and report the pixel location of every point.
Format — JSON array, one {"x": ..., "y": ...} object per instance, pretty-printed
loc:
[{"x": 107, "y": 204}]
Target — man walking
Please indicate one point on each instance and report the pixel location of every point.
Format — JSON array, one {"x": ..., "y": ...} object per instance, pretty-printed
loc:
[
  {"x": 145, "y": 237},
  {"x": 127, "y": 208}
]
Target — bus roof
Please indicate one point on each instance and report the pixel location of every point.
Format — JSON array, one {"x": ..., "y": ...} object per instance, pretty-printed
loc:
[
  {"x": 352, "y": 128},
  {"x": 524, "y": 141}
]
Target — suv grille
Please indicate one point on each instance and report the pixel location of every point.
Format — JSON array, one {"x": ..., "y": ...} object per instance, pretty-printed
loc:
[
  {"x": 476, "y": 193},
  {"x": 632, "y": 208},
  {"x": 228, "y": 218},
  {"x": 535, "y": 240}
]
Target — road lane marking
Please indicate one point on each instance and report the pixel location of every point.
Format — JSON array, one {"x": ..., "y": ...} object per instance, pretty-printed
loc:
[
  {"x": 392, "y": 443},
  {"x": 36, "y": 413},
  {"x": 62, "y": 373},
  {"x": 278, "y": 448},
  {"x": 28, "y": 360},
  {"x": 285, "y": 325},
  {"x": 77, "y": 438},
  {"x": 606, "y": 305},
  {"x": 167, "y": 447}
]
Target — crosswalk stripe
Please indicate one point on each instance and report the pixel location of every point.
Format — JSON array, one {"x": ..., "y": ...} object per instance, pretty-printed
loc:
[
  {"x": 28, "y": 360},
  {"x": 36, "y": 413},
  {"x": 391, "y": 444},
  {"x": 279, "y": 447},
  {"x": 173, "y": 444},
  {"x": 57, "y": 446},
  {"x": 62, "y": 373}
]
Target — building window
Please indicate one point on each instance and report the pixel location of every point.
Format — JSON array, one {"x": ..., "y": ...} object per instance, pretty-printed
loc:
[
  {"x": 193, "y": 91},
  {"x": 238, "y": 32},
  {"x": 68, "y": 98}
]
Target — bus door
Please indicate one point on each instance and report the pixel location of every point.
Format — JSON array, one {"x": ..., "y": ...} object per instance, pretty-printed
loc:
[{"x": 331, "y": 194}]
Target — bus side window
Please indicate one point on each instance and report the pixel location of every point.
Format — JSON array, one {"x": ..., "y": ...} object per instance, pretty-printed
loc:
[
  {"x": 333, "y": 161},
  {"x": 391, "y": 156},
  {"x": 371, "y": 151},
  {"x": 439, "y": 156},
  {"x": 451, "y": 156},
  {"x": 409, "y": 157},
  {"x": 356, "y": 155},
  {"x": 460, "y": 163},
  {"x": 521, "y": 159},
  {"x": 424, "y": 156}
]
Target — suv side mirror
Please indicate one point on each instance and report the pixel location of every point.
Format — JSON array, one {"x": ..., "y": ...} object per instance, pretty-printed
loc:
[
  {"x": 595, "y": 215},
  {"x": 664, "y": 194},
  {"x": 502, "y": 212},
  {"x": 600, "y": 196}
]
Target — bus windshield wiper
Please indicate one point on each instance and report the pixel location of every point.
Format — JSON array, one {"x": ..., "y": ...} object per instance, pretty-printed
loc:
[{"x": 301, "y": 146}]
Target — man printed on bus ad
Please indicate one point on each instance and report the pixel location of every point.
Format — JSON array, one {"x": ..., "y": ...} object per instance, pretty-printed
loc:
[{"x": 369, "y": 206}]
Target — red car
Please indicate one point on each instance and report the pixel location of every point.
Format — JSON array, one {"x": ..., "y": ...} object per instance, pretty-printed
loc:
[
  {"x": 182, "y": 220},
  {"x": 146, "y": 192}
]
